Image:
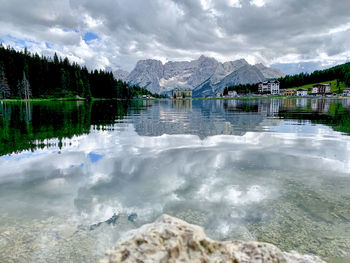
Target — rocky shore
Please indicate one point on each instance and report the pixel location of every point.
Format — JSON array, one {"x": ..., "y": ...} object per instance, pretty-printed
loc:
[{"x": 169, "y": 239}]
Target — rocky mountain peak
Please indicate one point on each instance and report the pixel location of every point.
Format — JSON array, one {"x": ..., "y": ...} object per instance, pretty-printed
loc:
[
  {"x": 149, "y": 63},
  {"x": 202, "y": 73}
]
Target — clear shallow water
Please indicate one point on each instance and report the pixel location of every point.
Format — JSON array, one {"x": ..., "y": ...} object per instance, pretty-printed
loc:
[{"x": 269, "y": 170}]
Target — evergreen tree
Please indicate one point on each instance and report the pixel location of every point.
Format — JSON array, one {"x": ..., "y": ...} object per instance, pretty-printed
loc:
[
  {"x": 4, "y": 87},
  {"x": 225, "y": 91},
  {"x": 26, "y": 87},
  {"x": 20, "y": 91},
  {"x": 63, "y": 82},
  {"x": 55, "y": 59},
  {"x": 347, "y": 79}
]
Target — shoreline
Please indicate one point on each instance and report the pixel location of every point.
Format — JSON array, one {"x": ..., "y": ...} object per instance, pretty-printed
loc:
[{"x": 154, "y": 99}]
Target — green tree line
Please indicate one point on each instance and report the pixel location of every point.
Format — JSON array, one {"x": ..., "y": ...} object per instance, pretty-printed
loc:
[
  {"x": 340, "y": 73},
  {"x": 24, "y": 75}
]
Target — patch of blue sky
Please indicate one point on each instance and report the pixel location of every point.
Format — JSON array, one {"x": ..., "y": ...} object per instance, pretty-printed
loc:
[
  {"x": 1, "y": 40},
  {"x": 95, "y": 157},
  {"x": 21, "y": 42},
  {"x": 48, "y": 45},
  {"x": 17, "y": 41},
  {"x": 89, "y": 36}
]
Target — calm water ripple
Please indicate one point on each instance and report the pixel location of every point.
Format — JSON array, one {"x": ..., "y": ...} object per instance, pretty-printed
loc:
[{"x": 273, "y": 170}]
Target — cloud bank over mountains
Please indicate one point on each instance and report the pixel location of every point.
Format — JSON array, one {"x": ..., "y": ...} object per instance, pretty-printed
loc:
[{"x": 116, "y": 34}]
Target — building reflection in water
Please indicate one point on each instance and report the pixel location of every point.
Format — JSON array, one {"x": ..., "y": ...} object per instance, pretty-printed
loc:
[
  {"x": 185, "y": 104},
  {"x": 301, "y": 102}
]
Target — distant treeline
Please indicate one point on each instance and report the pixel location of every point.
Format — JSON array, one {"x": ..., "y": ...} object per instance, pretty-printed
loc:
[
  {"x": 340, "y": 73},
  {"x": 23, "y": 74}
]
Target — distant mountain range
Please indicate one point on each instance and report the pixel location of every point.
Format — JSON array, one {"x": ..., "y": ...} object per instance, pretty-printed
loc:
[{"x": 205, "y": 76}]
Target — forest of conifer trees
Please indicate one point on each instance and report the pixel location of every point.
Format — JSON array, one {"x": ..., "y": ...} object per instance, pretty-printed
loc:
[{"x": 24, "y": 75}]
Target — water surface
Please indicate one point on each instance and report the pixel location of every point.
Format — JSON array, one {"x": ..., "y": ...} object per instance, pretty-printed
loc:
[{"x": 273, "y": 170}]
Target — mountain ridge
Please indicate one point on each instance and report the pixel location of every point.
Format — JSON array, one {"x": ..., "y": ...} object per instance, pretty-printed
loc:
[{"x": 205, "y": 76}]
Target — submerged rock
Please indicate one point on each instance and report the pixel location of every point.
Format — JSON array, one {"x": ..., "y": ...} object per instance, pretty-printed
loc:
[
  {"x": 132, "y": 217},
  {"x": 111, "y": 221},
  {"x": 169, "y": 239}
]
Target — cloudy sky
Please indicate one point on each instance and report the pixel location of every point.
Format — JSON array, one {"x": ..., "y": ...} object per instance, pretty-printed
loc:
[{"x": 113, "y": 34}]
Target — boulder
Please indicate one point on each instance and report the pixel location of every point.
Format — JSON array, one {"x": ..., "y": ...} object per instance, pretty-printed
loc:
[{"x": 169, "y": 239}]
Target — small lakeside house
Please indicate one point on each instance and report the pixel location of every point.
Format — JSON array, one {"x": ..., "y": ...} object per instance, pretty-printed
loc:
[
  {"x": 321, "y": 89},
  {"x": 232, "y": 93},
  {"x": 289, "y": 92},
  {"x": 346, "y": 92},
  {"x": 301, "y": 92}
]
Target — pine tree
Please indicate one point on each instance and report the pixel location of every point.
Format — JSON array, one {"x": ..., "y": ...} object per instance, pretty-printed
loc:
[
  {"x": 4, "y": 87},
  {"x": 63, "y": 82},
  {"x": 55, "y": 59},
  {"x": 20, "y": 91},
  {"x": 26, "y": 87},
  {"x": 347, "y": 79}
]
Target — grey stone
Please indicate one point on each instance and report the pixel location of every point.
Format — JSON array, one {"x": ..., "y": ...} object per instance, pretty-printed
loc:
[{"x": 169, "y": 239}]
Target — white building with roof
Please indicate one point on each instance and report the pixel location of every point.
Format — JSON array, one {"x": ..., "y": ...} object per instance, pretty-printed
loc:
[
  {"x": 346, "y": 92},
  {"x": 301, "y": 92},
  {"x": 269, "y": 87}
]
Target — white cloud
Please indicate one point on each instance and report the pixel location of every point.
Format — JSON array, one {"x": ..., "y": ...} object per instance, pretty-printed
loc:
[
  {"x": 258, "y": 3},
  {"x": 268, "y": 31}
]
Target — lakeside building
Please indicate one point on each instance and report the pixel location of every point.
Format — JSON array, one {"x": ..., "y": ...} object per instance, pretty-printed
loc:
[
  {"x": 232, "y": 93},
  {"x": 346, "y": 92},
  {"x": 289, "y": 92},
  {"x": 269, "y": 87},
  {"x": 321, "y": 89},
  {"x": 182, "y": 94},
  {"x": 301, "y": 92}
]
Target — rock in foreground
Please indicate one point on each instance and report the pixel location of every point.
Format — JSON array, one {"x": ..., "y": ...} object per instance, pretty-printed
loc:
[{"x": 169, "y": 239}]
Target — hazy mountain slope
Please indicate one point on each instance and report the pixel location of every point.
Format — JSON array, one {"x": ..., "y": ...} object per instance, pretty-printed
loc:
[
  {"x": 227, "y": 68},
  {"x": 121, "y": 74},
  {"x": 270, "y": 73},
  {"x": 243, "y": 75}
]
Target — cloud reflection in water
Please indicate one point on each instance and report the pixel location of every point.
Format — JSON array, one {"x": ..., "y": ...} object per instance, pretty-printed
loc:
[{"x": 221, "y": 176}]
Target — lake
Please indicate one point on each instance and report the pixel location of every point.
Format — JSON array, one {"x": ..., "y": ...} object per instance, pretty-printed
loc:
[{"x": 76, "y": 176}]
